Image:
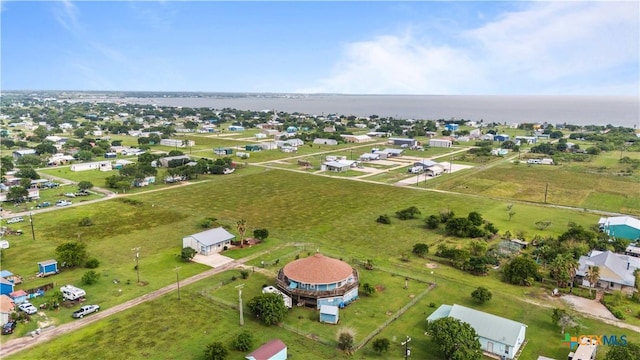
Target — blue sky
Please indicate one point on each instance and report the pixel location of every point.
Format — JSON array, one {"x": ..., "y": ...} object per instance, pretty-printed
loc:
[{"x": 357, "y": 47}]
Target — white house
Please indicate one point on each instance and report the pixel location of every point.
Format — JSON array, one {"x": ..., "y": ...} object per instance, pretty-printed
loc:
[
  {"x": 440, "y": 143},
  {"x": 99, "y": 165},
  {"x": 209, "y": 241},
  {"x": 177, "y": 142},
  {"x": 616, "y": 270},
  {"x": 320, "y": 141},
  {"x": 498, "y": 336}
]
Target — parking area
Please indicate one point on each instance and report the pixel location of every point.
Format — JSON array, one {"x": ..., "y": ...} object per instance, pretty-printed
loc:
[{"x": 213, "y": 260}]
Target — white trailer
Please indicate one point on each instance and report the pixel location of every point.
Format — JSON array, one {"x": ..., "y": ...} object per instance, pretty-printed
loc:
[
  {"x": 72, "y": 293},
  {"x": 287, "y": 300}
]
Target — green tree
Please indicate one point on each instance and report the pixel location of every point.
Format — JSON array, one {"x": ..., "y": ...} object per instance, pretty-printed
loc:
[
  {"x": 79, "y": 133},
  {"x": 456, "y": 339},
  {"x": 28, "y": 172},
  {"x": 408, "y": 213},
  {"x": 241, "y": 225},
  {"x": 381, "y": 345},
  {"x": 41, "y": 132},
  {"x": 563, "y": 269},
  {"x": 475, "y": 218},
  {"x": 85, "y": 185},
  {"x": 84, "y": 155},
  {"x": 432, "y": 222},
  {"x": 560, "y": 317},
  {"x": 420, "y": 249},
  {"x": 188, "y": 253},
  {"x": 384, "y": 219},
  {"x": 521, "y": 271},
  {"x": 593, "y": 275},
  {"x": 90, "y": 277},
  {"x": 261, "y": 234},
  {"x": 626, "y": 352},
  {"x": 268, "y": 307},
  {"x": 243, "y": 342},
  {"x": 216, "y": 351},
  {"x": 72, "y": 254},
  {"x": 17, "y": 193},
  {"x": 481, "y": 295},
  {"x": 368, "y": 289}
]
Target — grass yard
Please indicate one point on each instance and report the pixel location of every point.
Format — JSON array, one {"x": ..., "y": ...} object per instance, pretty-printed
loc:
[
  {"x": 565, "y": 187},
  {"x": 336, "y": 216}
]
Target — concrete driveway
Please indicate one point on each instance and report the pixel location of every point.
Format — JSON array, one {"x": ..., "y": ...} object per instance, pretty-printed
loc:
[{"x": 213, "y": 260}]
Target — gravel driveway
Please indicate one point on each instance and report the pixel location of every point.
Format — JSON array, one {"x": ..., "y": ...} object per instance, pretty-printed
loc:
[{"x": 588, "y": 306}]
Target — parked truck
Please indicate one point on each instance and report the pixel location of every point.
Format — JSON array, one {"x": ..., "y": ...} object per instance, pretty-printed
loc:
[{"x": 72, "y": 293}]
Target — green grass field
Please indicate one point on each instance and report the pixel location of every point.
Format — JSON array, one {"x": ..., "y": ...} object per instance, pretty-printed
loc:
[{"x": 336, "y": 216}]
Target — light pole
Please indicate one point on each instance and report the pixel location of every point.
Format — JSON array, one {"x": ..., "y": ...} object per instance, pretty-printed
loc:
[
  {"x": 239, "y": 287},
  {"x": 137, "y": 250},
  {"x": 33, "y": 233},
  {"x": 178, "y": 279},
  {"x": 407, "y": 350}
]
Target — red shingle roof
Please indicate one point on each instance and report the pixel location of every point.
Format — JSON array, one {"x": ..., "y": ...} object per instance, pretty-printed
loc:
[
  {"x": 268, "y": 350},
  {"x": 317, "y": 269}
]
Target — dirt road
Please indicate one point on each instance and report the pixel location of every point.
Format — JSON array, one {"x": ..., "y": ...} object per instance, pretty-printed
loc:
[{"x": 15, "y": 345}]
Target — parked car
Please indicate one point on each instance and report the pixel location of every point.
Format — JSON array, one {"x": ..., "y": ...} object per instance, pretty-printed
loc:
[
  {"x": 15, "y": 220},
  {"x": 8, "y": 328},
  {"x": 43, "y": 205},
  {"x": 85, "y": 310},
  {"x": 50, "y": 185},
  {"x": 83, "y": 193},
  {"x": 63, "y": 203},
  {"x": 71, "y": 195},
  {"x": 28, "y": 308}
]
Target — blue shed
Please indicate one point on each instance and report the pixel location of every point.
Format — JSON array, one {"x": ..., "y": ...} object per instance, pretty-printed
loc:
[
  {"x": 48, "y": 267},
  {"x": 329, "y": 314},
  {"x": 6, "y": 286},
  {"x": 501, "y": 137}
]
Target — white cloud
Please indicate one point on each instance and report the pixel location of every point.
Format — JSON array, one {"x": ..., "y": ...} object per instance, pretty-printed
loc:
[
  {"x": 544, "y": 48},
  {"x": 66, "y": 14}
]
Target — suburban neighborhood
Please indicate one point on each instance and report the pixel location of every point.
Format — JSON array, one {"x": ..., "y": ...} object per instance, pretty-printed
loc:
[{"x": 274, "y": 235}]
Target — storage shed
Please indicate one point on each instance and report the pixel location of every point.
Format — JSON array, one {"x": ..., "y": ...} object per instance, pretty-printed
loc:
[
  {"x": 6, "y": 286},
  {"x": 19, "y": 296},
  {"x": 329, "y": 314},
  {"x": 48, "y": 267},
  {"x": 273, "y": 350}
]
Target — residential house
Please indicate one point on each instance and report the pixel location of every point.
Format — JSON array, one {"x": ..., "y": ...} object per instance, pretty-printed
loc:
[
  {"x": 356, "y": 138},
  {"x": 338, "y": 165},
  {"x": 624, "y": 227},
  {"x": 17, "y": 154},
  {"x": 19, "y": 296},
  {"x": 387, "y": 153},
  {"x": 616, "y": 270},
  {"x": 498, "y": 336},
  {"x": 235, "y": 128},
  {"x": 403, "y": 142},
  {"x": 633, "y": 250},
  {"x": 501, "y": 137},
  {"x": 322, "y": 141},
  {"x": 165, "y": 161},
  {"x": 98, "y": 165},
  {"x": 452, "y": 127},
  {"x": 369, "y": 157},
  {"x": 273, "y": 350},
  {"x": 378, "y": 134},
  {"x": 178, "y": 143},
  {"x": 7, "y": 306},
  {"x": 446, "y": 143},
  {"x": 6, "y": 286},
  {"x": 209, "y": 242}
]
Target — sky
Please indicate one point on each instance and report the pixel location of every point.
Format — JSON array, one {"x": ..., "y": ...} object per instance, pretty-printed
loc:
[{"x": 354, "y": 47}]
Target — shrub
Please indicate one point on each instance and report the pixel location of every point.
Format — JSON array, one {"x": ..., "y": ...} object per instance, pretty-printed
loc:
[
  {"x": 481, "y": 295},
  {"x": 384, "y": 219},
  {"x": 86, "y": 222},
  {"x": 244, "y": 273},
  {"x": 346, "y": 339},
  {"x": 90, "y": 277},
  {"x": 243, "y": 342},
  {"x": 92, "y": 263}
]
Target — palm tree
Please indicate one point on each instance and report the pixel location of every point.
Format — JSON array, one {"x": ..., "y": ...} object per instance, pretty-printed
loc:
[
  {"x": 242, "y": 227},
  {"x": 592, "y": 275}
]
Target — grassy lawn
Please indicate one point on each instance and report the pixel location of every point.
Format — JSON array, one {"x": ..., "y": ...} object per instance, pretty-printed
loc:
[{"x": 338, "y": 217}]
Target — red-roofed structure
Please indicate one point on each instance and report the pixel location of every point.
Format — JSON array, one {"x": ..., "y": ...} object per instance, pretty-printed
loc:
[
  {"x": 273, "y": 350},
  {"x": 319, "y": 280}
]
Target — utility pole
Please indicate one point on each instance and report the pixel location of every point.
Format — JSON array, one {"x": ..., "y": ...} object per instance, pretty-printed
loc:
[
  {"x": 407, "y": 350},
  {"x": 176, "y": 269},
  {"x": 239, "y": 287},
  {"x": 137, "y": 250},
  {"x": 33, "y": 233}
]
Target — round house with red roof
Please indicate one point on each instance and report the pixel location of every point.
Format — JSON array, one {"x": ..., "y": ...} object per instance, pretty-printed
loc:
[{"x": 319, "y": 280}]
